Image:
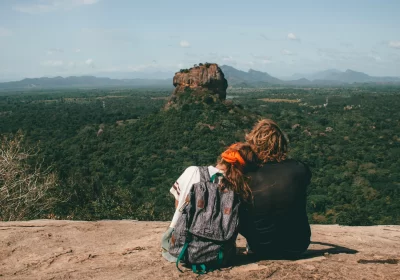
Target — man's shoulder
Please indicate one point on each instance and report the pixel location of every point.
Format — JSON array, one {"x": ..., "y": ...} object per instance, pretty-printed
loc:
[
  {"x": 301, "y": 165},
  {"x": 297, "y": 163},
  {"x": 286, "y": 167},
  {"x": 287, "y": 163}
]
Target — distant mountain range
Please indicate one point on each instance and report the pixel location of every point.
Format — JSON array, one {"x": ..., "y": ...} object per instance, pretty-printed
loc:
[
  {"x": 235, "y": 77},
  {"x": 321, "y": 75},
  {"x": 83, "y": 81},
  {"x": 349, "y": 76},
  {"x": 330, "y": 77},
  {"x": 252, "y": 77},
  {"x": 152, "y": 74}
]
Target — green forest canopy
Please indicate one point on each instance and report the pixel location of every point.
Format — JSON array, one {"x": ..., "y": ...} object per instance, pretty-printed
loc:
[{"x": 117, "y": 153}]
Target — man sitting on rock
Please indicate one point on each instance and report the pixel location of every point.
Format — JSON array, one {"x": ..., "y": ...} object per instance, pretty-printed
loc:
[{"x": 276, "y": 226}]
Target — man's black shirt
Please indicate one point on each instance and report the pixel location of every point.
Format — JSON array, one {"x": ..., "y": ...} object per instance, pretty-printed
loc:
[{"x": 277, "y": 222}]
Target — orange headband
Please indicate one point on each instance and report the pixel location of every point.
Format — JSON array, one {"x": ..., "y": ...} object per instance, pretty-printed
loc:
[{"x": 232, "y": 156}]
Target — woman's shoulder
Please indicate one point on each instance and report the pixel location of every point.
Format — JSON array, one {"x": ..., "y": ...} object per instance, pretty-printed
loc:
[
  {"x": 194, "y": 170},
  {"x": 213, "y": 169},
  {"x": 191, "y": 169}
]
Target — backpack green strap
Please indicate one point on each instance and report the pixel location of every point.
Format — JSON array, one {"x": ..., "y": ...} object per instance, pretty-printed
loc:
[
  {"x": 180, "y": 257},
  {"x": 212, "y": 179},
  {"x": 220, "y": 256},
  {"x": 203, "y": 266},
  {"x": 197, "y": 271}
]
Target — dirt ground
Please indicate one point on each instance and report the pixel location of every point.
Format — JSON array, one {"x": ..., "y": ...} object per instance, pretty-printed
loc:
[{"x": 50, "y": 249}]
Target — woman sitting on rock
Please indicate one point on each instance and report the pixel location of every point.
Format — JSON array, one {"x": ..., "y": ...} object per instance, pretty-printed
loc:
[{"x": 229, "y": 173}]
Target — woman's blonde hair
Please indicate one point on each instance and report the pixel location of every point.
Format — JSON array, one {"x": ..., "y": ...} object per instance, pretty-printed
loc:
[
  {"x": 268, "y": 140},
  {"x": 234, "y": 175}
]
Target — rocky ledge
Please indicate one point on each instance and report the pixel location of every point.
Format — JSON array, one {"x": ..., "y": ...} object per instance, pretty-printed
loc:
[{"x": 49, "y": 249}]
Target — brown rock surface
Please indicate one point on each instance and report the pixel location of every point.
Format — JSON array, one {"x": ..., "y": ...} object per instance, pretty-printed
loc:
[
  {"x": 205, "y": 78},
  {"x": 49, "y": 249}
]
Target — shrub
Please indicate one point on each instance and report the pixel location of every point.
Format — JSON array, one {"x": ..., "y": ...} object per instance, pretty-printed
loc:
[{"x": 24, "y": 190}]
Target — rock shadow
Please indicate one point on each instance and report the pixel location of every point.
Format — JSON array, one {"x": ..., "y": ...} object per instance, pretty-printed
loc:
[
  {"x": 333, "y": 249},
  {"x": 328, "y": 248}
]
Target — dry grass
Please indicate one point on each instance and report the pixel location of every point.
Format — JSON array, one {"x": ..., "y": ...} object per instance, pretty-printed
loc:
[
  {"x": 24, "y": 190},
  {"x": 127, "y": 121}
]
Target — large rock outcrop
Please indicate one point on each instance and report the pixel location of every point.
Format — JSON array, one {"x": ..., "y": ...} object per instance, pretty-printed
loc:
[
  {"x": 48, "y": 249},
  {"x": 204, "y": 79}
]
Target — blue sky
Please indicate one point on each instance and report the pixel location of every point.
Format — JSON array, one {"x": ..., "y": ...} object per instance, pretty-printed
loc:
[{"x": 75, "y": 37}]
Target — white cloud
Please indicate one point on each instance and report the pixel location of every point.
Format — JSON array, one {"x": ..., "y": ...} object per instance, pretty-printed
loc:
[
  {"x": 4, "y": 32},
  {"x": 293, "y": 37},
  {"x": 142, "y": 67},
  {"x": 263, "y": 59},
  {"x": 72, "y": 64},
  {"x": 377, "y": 58},
  {"x": 346, "y": 44},
  {"x": 394, "y": 44},
  {"x": 88, "y": 2},
  {"x": 77, "y": 50},
  {"x": 89, "y": 62},
  {"x": 111, "y": 69},
  {"x": 286, "y": 52},
  {"x": 45, "y": 6},
  {"x": 184, "y": 44},
  {"x": 52, "y": 63},
  {"x": 155, "y": 67},
  {"x": 228, "y": 58},
  {"x": 266, "y": 61},
  {"x": 54, "y": 50}
]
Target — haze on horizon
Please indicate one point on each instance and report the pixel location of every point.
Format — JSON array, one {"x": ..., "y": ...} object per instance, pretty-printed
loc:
[{"x": 122, "y": 37}]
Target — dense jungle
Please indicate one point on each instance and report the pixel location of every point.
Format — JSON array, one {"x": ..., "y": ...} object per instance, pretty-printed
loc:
[{"x": 115, "y": 153}]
